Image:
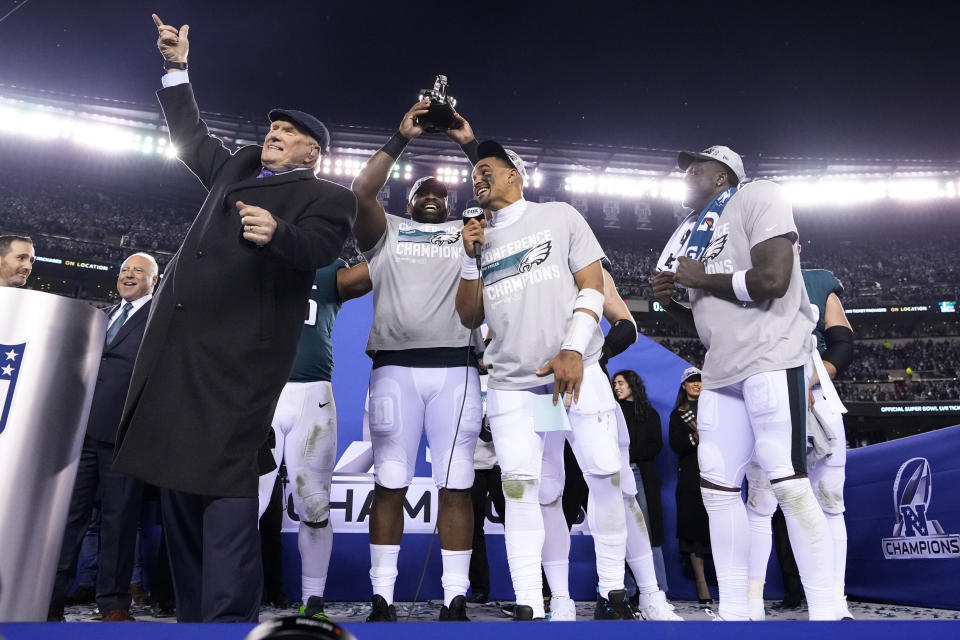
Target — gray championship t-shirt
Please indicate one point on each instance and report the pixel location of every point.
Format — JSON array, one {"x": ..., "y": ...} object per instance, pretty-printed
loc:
[
  {"x": 745, "y": 338},
  {"x": 529, "y": 291},
  {"x": 415, "y": 270}
]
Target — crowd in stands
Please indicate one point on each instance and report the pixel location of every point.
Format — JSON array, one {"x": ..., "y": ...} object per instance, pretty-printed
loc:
[
  {"x": 900, "y": 391},
  {"x": 882, "y": 270},
  {"x": 94, "y": 224},
  {"x": 932, "y": 359},
  {"x": 692, "y": 350},
  {"x": 87, "y": 224},
  {"x": 897, "y": 269},
  {"x": 935, "y": 369}
]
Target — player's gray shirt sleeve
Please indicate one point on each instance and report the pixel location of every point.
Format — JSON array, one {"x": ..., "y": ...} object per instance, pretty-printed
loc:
[
  {"x": 584, "y": 247},
  {"x": 768, "y": 213}
]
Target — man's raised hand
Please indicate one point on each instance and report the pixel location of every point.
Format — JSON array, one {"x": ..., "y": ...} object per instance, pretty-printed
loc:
[
  {"x": 173, "y": 43},
  {"x": 460, "y": 132},
  {"x": 409, "y": 128}
]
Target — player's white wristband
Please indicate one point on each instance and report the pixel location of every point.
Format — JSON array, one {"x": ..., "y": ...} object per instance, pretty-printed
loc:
[
  {"x": 468, "y": 268},
  {"x": 581, "y": 329},
  {"x": 740, "y": 286},
  {"x": 590, "y": 299}
]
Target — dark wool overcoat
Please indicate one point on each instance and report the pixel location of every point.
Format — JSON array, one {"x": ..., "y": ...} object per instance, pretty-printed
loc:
[{"x": 226, "y": 318}]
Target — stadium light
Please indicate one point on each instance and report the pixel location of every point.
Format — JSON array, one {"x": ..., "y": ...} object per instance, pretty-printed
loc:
[
  {"x": 451, "y": 175},
  {"x": 536, "y": 179},
  {"x": 839, "y": 191},
  {"x": 827, "y": 191},
  {"x": 346, "y": 166},
  {"x": 110, "y": 135},
  {"x": 613, "y": 185},
  {"x": 118, "y": 135}
]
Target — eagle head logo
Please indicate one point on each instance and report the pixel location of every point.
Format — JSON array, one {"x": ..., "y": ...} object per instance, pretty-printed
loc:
[
  {"x": 715, "y": 248},
  {"x": 445, "y": 237},
  {"x": 535, "y": 256}
]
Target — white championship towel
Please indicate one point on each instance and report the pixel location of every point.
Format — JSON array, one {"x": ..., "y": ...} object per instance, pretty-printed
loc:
[{"x": 676, "y": 244}]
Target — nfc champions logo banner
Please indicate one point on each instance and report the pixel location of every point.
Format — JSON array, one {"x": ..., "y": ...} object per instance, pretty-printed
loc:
[
  {"x": 915, "y": 535},
  {"x": 11, "y": 359},
  {"x": 428, "y": 241},
  {"x": 517, "y": 263}
]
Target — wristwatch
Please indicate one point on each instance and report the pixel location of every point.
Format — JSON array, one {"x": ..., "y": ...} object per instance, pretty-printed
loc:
[{"x": 179, "y": 66}]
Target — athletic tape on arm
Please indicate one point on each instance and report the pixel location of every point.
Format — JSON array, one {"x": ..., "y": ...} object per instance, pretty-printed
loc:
[{"x": 583, "y": 326}]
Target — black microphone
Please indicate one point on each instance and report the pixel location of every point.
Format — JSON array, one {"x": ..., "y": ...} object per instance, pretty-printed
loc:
[{"x": 474, "y": 212}]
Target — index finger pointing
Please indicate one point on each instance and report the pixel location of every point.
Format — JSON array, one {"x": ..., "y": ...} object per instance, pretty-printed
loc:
[{"x": 156, "y": 20}]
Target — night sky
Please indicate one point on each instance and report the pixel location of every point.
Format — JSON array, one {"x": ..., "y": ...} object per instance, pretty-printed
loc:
[{"x": 842, "y": 79}]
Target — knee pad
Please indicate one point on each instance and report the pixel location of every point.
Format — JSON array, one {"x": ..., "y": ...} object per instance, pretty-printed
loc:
[
  {"x": 454, "y": 474},
  {"x": 551, "y": 490},
  {"x": 314, "y": 508},
  {"x": 795, "y": 497},
  {"x": 392, "y": 474},
  {"x": 772, "y": 453},
  {"x": 716, "y": 501},
  {"x": 521, "y": 488},
  {"x": 552, "y": 503},
  {"x": 712, "y": 466},
  {"x": 828, "y": 487},
  {"x": 760, "y": 496}
]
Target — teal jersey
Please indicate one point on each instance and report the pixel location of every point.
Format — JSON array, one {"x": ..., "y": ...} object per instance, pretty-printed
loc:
[
  {"x": 820, "y": 283},
  {"x": 314, "y": 360}
]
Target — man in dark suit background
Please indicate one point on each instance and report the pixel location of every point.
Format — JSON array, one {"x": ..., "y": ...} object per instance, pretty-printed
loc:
[
  {"x": 119, "y": 493},
  {"x": 221, "y": 339}
]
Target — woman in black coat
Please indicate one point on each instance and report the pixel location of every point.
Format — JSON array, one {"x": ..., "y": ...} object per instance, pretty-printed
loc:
[
  {"x": 646, "y": 442},
  {"x": 693, "y": 527}
]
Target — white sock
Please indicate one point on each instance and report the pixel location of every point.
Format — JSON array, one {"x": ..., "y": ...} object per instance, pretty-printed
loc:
[
  {"x": 761, "y": 542},
  {"x": 316, "y": 545},
  {"x": 811, "y": 543},
  {"x": 556, "y": 549},
  {"x": 523, "y": 537},
  {"x": 838, "y": 532},
  {"x": 755, "y": 600},
  {"x": 639, "y": 553},
  {"x": 730, "y": 542},
  {"x": 605, "y": 515},
  {"x": 456, "y": 572},
  {"x": 383, "y": 569}
]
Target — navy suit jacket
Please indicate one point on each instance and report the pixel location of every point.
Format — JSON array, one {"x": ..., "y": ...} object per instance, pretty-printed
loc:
[{"x": 113, "y": 378}]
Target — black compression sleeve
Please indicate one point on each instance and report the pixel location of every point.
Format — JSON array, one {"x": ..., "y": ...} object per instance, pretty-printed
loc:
[
  {"x": 471, "y": 150},
  {"x": 619, "y": 338},
  {"x": 839, "y": 351}
]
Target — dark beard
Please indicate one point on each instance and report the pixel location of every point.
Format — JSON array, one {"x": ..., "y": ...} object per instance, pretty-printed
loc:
[{"x": 420, "y": 215}]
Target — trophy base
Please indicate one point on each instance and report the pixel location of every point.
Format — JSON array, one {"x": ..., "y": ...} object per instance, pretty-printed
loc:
[{"x": 439, "y": 117}]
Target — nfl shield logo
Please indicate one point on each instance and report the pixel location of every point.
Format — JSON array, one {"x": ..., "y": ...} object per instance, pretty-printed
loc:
[
  {"x": 915, "y": 535},
  {"x": 11, "y": 359}
]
